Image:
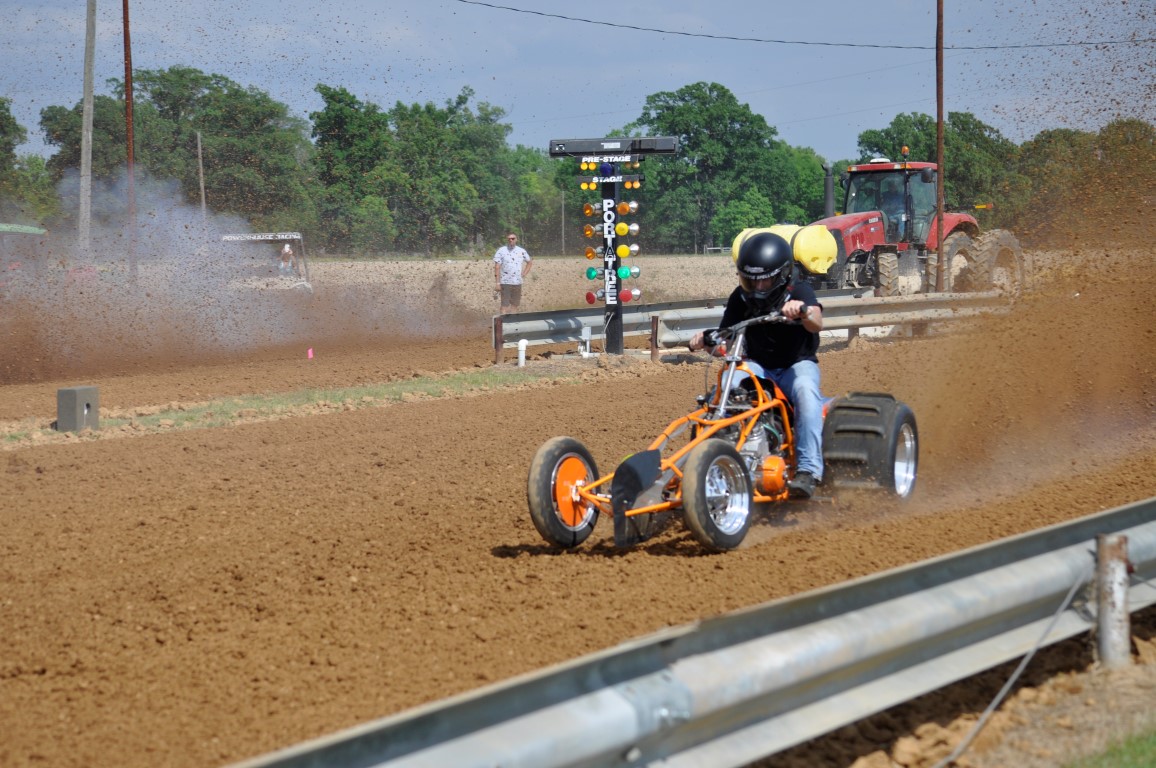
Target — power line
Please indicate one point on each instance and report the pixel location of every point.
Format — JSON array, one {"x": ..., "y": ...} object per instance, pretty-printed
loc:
[{"x": 1082, "y": 44}]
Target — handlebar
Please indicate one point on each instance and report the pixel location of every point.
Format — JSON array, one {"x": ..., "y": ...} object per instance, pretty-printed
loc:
[{"x": 731, "y": 332}]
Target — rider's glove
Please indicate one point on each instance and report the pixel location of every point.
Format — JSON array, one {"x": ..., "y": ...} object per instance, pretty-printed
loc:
[{"x": 710, "y": 338}]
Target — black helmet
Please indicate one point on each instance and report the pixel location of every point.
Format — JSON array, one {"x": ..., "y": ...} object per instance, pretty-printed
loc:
[{"x": 765, "y": 262}]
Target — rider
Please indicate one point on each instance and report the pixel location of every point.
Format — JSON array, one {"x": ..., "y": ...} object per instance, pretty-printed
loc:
[{"x": 786, "y": 352}]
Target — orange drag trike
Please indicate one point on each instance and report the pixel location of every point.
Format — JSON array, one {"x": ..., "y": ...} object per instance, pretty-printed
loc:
[{"x": 737, "y": 449}]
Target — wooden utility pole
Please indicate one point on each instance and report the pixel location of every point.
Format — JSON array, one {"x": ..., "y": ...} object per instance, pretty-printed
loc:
[
  {"x": 939, "y": 177},
  {"x": 84, "y": 215},
  {"x": 129, "y": 150}
]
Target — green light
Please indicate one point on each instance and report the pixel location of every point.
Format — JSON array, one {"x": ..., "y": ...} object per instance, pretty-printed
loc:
[
  {"x": 591, "y": 273},
  {"x": 623, "y": 273}
]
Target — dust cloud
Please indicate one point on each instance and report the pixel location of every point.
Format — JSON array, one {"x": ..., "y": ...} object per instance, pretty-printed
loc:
[{"x": 170, "y": 293}]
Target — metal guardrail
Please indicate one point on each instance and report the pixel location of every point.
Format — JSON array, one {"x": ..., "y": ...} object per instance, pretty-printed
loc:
[
  {"x": 574, "y": 325},
  {"x": 672, "y": 324},
  {"x": 730, "y": 690}
]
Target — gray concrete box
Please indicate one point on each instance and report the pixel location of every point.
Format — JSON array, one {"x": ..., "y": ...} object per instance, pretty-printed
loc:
[{"x": 77, "y": 408}]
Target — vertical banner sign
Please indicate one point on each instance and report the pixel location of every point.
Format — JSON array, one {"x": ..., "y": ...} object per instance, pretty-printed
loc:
[
  {"x": 613, "y": 315},
  {"x": 605, "y": 157}
]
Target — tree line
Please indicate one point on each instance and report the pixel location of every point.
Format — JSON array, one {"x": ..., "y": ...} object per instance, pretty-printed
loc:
[{"x": 439, "y": 179}]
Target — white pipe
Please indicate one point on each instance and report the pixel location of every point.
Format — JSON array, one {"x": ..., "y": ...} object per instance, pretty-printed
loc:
[{"x": 522, "y": 343}]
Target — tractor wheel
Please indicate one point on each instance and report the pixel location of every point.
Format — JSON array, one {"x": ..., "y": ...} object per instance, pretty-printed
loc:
[
  {"x": 871, "y": 441},
  {"x": 887, "y": 267},
  {"x": 932, "y": 266},
  {"x": 716, "y": 495},
  {"x": 963, "y": 269},
  {"x": 1001, "y": 252},
  {"x": 559, "y": 514}
]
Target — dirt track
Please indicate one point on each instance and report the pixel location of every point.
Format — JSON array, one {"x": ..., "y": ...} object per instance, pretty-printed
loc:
[{"x": 197, "y": 597}]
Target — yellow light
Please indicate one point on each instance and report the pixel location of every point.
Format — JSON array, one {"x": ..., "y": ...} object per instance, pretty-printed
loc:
[
  {"x": 590, "y": 253},
  {"x": 623, "y": 251},
  {"x": 625, "y": 207},
  {"x": 588, "y": 231},
  {"x": 583, "y": 166},
  {"x": 589, "y": 209},
  {"x": 584, "y": 185},
  {"x": 621, "y": 229}
]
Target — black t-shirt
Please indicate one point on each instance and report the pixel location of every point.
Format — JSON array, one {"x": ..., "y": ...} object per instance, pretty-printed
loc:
[{"x": 775, "y": 345}]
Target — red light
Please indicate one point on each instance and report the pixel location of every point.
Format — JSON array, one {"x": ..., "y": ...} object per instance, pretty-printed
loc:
[
  {"x": 625, "y": 296},
  {"x": 590, "y": 297}
]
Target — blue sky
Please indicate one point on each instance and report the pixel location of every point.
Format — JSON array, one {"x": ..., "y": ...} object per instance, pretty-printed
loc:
[{"x": 558, "y": 78}]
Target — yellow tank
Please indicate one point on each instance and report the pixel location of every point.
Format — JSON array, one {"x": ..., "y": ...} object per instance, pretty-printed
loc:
[{"x": 813, "y": 245}]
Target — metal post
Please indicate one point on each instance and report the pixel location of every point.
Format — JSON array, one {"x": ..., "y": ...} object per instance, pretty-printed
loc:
[
  {"x": 828, "y": 191},
  {"x": 1113, "y": 624},
  {"x": 497, "y": 339},
  {"x": 201, "y": 177},
  {"x": 654, "y": 356}
]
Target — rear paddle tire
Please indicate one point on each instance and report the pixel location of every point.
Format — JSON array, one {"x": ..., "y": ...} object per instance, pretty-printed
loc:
[
  {"x": 898, "y": 474},
  {"x": 870, "y": 441},
  {"x": 716, "y": 495},
  {"x": 561, "y": 516}
]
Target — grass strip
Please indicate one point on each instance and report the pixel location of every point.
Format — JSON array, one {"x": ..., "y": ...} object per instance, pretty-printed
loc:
[{"x": 228, "y": 411}]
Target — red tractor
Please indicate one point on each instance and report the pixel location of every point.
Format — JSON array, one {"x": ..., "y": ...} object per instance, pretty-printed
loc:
[{"x": 887, "y": 238}]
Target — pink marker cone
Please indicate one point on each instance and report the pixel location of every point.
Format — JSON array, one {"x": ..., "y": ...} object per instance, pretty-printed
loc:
[{"x": 309, "y": 354}]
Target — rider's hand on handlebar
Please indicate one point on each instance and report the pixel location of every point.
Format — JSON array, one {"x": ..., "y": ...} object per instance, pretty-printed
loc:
[
  {"x": 795, "y": 310},
  {"x": 704, "y": 339}
]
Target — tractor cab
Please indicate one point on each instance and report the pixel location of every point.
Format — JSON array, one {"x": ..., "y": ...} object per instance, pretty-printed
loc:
[{"x": 903, "y": 192}]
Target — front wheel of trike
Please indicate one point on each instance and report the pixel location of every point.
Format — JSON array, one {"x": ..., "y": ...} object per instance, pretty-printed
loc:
[
  {"x": 716, "y": 495},
  {"x": 563, "y": 517}
]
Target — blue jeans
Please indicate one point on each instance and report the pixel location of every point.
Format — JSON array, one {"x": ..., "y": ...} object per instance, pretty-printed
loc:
[{"x": 800, "y": 383}]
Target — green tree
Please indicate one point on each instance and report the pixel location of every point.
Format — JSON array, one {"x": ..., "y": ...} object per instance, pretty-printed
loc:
[
  {"x": 725, "y": 150},
  {"x": 12, "y": 135},
  {"x": 444, "y": 173},
  {"x": 980, "y": 164},
  {"x": 351, "y": 138},
  {"x": 33, "y": 193},
  {"x": 255, "y": 155},
  {"x": 26, "y": 195},
  {"x": 1125, "y": 177},
  {"x": 372, "y": 229},
  {"x": 914, "y": 130},
  {"x": 1088, "y": 187},
  {"x": 753, "y": 209}
]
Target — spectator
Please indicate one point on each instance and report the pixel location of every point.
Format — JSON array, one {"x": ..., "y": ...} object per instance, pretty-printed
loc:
[{"x": 511, "y": 265}]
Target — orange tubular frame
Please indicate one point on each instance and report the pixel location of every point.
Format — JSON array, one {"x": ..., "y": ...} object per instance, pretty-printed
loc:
[{"x": 706, "y": 428}]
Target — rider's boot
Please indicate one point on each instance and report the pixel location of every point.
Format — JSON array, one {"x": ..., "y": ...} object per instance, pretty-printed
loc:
[{"x": 802, "y": 485}]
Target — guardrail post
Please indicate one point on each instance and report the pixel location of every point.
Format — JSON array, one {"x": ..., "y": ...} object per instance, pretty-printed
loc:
[
  {"x": 654, "y": 357},
  {"x": 498, "y": 342},
  {"x": 1113, "y": 624}
]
